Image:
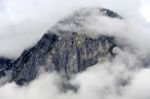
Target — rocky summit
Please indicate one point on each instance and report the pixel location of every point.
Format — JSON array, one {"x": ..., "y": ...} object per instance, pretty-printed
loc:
[{"x": 65, "y": 48}]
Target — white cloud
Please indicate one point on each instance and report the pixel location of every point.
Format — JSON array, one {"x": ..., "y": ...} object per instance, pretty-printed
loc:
[
  {"x": 120, "y": 79},
  {"x": 145, "y": 9},
  {"x": 139, "y": 88},
  {"x": 24, "y": 22}
]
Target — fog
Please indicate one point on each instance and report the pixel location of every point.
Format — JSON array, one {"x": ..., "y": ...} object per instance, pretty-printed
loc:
[{"x": 23, "y": 22}]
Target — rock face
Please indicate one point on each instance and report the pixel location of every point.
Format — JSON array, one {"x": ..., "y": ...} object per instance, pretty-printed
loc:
[
  {"x": 62, "y": 50},
  {"x": 70, "y": 54},
  {"x": 5, "y": 64}
]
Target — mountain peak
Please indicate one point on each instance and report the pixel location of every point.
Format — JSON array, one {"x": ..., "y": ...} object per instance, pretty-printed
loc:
[
  {"x": 79, "y": 20},
  {"x": 65, "y": 48}
]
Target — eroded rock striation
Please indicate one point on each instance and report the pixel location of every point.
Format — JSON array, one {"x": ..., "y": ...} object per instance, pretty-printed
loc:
[{"x": 64, "y": 50}]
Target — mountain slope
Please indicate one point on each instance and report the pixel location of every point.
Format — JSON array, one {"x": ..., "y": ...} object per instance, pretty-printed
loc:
[{"x": 65, "y": 48}]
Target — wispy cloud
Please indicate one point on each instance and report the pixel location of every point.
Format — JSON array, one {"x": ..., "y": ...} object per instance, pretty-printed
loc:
[{"x": 126, "y": 77}]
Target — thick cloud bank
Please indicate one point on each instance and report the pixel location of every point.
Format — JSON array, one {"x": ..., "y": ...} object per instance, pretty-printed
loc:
[
  {"x": 124, "y": 78},
  {"x": 23, "y": 22}
]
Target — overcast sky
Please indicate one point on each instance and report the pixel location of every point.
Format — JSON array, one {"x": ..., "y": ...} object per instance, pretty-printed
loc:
[
  {"x": 23, "y": 22},
  {"x": 145, "y": 9}
]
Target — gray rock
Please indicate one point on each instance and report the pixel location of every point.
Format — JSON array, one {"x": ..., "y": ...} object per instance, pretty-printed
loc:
[
  {"x": 68, "y": 54},
  {"x": 63, "y": 50}
]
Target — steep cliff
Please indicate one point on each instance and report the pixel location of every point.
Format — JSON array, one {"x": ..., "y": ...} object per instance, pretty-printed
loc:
[{"x": 65, "y": 48}]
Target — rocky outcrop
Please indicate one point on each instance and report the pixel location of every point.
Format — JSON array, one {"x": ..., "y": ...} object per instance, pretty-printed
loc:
[
  {"x": 5, "y": 65},
  {"x": 63, "y": 50},
  {"x": 68, "y": 54}
]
